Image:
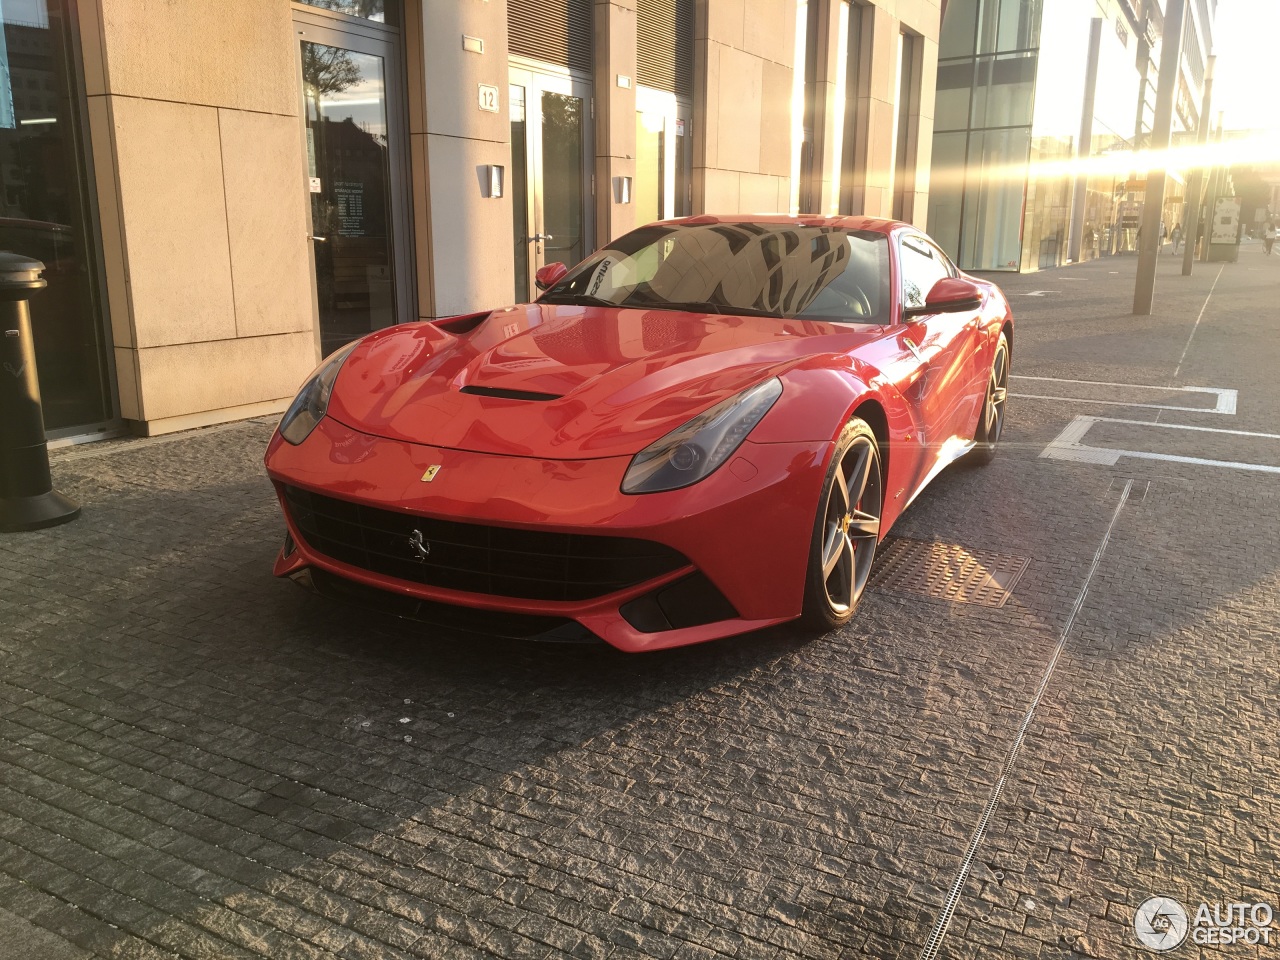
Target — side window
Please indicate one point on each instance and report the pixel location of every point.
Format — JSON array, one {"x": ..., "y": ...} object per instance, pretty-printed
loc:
[{"x": 923, "y": 265}]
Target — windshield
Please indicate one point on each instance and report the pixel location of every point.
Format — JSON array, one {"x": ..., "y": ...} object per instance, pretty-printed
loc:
[{"x": 759, "y": 269}]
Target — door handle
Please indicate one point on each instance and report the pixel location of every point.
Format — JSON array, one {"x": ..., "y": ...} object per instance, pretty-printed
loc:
[{"x": 539, "y": 237}]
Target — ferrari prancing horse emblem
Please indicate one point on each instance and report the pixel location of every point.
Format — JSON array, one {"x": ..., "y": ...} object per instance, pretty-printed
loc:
[
  {"x": 431, "y": 473},
  {"x": 421, "y": 548}
]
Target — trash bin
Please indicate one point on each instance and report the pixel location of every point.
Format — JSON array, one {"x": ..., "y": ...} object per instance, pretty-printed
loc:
[{"x": 27, "y": 498}]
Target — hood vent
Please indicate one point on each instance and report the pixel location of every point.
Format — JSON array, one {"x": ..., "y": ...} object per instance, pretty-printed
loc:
[{"x": 509, "y": 394}]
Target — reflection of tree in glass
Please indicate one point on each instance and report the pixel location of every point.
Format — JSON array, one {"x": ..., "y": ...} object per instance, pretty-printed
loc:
[
  {"x": 369, "y": 9},
  {"x": 327, "y": 70}
]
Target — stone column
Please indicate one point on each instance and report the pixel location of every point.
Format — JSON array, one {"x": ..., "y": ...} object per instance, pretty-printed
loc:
[
  {"x": 465, "y": 254},
  {"x": 914, "y": 186},
  {"x": 743, "y": 63},
  {"x": 193, "y": 119},
  {"x": 614, "y": 85},
  {"x": 828, "y": 129},
  {"x": 877, "y": 109}
]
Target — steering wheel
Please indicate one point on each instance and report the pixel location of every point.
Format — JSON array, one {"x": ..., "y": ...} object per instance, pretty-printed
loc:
[
  {"x": 859, "y": 299},
  {"x": 848, "y": 303}
]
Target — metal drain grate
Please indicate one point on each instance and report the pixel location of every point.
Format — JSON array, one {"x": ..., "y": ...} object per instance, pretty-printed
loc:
[{"x": 946, "y": 571}]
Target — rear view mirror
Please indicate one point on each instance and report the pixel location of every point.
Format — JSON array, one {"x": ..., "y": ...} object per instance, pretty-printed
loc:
[
  {"x": 548, "y": 276},
  {"x": 949, "y": 295}
]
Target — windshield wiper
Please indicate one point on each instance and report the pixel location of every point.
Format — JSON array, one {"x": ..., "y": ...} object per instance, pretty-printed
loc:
[
  {"x": 707, "y": 306},
  {"x": 582, "y": 299},
  {"x": 692, "y": 306}
]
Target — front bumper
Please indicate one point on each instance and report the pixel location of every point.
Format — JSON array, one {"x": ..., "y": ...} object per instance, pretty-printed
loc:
[{"x": 746, "y": 528}]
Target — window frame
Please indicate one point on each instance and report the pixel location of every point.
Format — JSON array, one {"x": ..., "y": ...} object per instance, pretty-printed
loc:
[{"x": 913, "y": 236}]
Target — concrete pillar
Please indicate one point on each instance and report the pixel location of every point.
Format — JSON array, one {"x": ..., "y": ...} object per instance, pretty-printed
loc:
[
  {"x": 743, "y": 70},
  {"x": 201, "y": 184},
  {"x": 463, "y": 239},
  {"x": 1153, "y": 206},
  {"x": 1084, "y": 144},
  {"x": 912, "y": 178},
  {"x": 877, "y": 111},
  {"x": 614, "y": 82},
  {"x": 828, "y": 129}
]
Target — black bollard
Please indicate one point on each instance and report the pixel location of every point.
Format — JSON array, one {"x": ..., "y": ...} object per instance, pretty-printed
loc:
[{"x": 27, "y": 498}]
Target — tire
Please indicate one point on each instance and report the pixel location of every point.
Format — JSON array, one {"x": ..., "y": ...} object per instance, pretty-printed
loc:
[
  {"x": 846, "y": 530},
  {"x": 991, "y": 419}
]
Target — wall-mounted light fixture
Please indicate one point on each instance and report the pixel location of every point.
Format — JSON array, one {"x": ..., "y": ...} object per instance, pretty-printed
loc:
[
  {"x": 491, "y": 177},
  {"x": 621, "y": 189}
]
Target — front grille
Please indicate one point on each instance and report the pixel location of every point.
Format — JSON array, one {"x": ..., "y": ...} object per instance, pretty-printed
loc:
[{"x": 477, "y": 558}]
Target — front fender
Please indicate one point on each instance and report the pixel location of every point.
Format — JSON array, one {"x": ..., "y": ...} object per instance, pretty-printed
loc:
[{"x": 819, "y": 399}]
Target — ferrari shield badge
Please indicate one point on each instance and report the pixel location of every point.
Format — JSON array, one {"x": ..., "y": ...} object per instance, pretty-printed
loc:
[{"x": 431, "y": 473}]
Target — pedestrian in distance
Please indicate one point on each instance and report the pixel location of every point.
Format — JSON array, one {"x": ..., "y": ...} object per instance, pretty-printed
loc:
[
  {"x": 1176, "y": 236},
  {"x": 1268, "y": 236}
]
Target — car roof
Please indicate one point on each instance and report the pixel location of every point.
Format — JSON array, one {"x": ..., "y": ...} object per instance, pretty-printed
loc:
[{"x": 874, "y": 224}]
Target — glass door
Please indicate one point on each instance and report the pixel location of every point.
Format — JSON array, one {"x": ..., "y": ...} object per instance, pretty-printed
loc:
[
  {"x": 663, "y": 156},
  {"x": 46, "y": 212},
  {"x": 357, "y": 178},
  {"x": 551, "y": 183}
]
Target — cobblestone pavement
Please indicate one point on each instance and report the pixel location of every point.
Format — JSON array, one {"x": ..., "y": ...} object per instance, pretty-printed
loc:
[{"x": 198, "y": 760}]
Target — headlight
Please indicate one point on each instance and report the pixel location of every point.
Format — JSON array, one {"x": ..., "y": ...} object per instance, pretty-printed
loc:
[
  {"x": 694, "y": 451},
  {"x": 309, "y": 406}
]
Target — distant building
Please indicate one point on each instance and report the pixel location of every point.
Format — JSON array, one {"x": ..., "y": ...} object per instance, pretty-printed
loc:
[{"x": 1013, "y": 79}]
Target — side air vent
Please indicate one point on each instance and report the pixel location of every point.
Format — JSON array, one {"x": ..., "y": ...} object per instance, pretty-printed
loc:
[{"x": 509, "y": 394}]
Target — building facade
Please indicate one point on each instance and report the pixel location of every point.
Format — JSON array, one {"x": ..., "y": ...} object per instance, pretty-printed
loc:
[
  {"x": 1028, "y": 92},
  {"x": 224, "y": 191}
]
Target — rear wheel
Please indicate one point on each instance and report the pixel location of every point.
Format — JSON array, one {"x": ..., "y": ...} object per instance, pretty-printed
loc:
[
  {"x": 991, "y": 422},
  {"x": 846, "y": 529}
]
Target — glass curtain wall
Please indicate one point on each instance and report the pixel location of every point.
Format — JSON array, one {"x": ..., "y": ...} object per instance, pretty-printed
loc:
[
  {"x": 988, "y": 54},
  {"x": 1119, "y": 87},
  {"x": 1055, "y": 127},
  {"x": 45, "y": 210}
]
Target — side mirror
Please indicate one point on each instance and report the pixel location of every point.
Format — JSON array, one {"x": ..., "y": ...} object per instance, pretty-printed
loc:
[
  {"x": 949, "y": 295},
  {"x": 548, "y": 276}
]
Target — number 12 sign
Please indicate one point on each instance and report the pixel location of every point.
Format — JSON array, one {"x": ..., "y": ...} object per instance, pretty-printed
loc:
[{"x": 488, "y": 98}]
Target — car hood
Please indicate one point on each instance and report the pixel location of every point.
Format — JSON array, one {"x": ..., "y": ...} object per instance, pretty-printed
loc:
[{"x": 566, "y": 382}]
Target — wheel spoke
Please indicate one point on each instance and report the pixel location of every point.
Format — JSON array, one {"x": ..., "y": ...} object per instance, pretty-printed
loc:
[
  {"x": 861, "y": 473},
  {"x": 840, "y": 488},
  {"x": 999, "y": 394},
  {"x": 864, "y": 525},
  {"x": 832, "y": 549},
  {"x": 843, "y": 569}
]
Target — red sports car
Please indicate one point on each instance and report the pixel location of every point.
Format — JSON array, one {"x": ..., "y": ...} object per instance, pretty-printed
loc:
[{"x": 703, "y": 429}]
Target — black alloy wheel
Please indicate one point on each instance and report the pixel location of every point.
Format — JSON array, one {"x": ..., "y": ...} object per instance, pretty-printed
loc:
[
  {"x": 991, "y": 423},
  {"x": 846, "y": 530}
]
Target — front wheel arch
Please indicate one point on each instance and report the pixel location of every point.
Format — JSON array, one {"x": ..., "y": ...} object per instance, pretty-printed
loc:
[{"x": 870, "y": 411}]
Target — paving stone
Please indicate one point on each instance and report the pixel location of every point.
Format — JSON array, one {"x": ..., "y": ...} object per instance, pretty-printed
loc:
[{"x": 199, "y": 760}]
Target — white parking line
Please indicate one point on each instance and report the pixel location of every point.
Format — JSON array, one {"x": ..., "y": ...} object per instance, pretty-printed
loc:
[
  {"x": 934, "y": 944},
  {"x": 1225, "y": 404},
  {"x": 1068, "y": 446},
  {"x": 1195, "y": 326}
]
